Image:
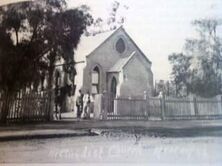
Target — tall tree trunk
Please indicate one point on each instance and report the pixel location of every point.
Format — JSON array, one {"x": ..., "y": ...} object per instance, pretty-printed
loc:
[
  {"x": 187, "y": 89},
  {"x": 17, "y": 38},
  {"x": 65, "y": 99},
  {"x": 176, "y": 90},
  {"x": 50, "y": 86}
]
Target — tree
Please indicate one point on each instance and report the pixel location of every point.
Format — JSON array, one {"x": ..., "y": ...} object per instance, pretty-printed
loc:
[
  {"x": 113, "y": 21},
  {"x": 37, "y": 34},
  {"x": 181, "y": 72},
  {"x": 206, "y": 52},
  {"x": 201, "y": 68}
]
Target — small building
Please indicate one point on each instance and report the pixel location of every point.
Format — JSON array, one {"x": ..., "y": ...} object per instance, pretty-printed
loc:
[{"x": 114, "y": 64}]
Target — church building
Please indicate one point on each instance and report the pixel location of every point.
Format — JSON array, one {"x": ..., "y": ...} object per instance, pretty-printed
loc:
[{"x": 114, "y": 64}]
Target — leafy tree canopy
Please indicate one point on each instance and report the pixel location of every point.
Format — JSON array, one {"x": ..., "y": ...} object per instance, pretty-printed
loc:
[
  {"x": 33, "y": 36},
  {"x": 199, "y": 68}
]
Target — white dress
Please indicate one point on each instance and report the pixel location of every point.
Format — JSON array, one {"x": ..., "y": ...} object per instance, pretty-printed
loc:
[{"x": 87, "y": 106}]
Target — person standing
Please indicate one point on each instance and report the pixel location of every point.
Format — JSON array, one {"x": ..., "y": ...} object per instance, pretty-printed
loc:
[
  {"x": 87, "y": 106},
  {"x": 79, "y": 104}
]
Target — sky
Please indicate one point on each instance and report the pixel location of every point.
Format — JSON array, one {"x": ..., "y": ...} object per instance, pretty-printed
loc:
[{"x": 159, "y": 27}]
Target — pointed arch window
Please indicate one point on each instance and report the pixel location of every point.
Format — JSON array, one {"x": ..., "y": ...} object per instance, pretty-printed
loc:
[
  {"x": 120, "y": 46},
  {"x": 95, "y": 80}
]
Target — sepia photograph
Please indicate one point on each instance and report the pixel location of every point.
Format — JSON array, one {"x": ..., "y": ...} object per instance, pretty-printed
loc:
[{"x": 111, "y": 82}]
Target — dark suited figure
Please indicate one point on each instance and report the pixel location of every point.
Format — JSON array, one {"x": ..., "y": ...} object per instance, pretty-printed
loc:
[{"x": 79, "y": 104}]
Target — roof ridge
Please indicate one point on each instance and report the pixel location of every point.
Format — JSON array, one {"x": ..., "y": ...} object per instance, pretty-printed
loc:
[
  {"x": 117, "y": 66},
  {"x": 129, "y": 58},
  {"x": 138, "y": 48},
  {"x": 107, "y": 38}
]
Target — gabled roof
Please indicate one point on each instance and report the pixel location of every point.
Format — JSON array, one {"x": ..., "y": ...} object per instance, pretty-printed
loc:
[
  {"x": 121, "y": 63},
  {"x": 88, "y": 44},
  {"x": 145, "y": 57}
]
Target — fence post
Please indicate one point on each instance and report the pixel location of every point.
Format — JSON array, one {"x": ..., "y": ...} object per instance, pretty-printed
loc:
[
  {"x": 51, "y": 96},
  {"x": 195, "y": 106},
  {"x": 131, "y": 107},
  {"x": 105, "y": 105},
  {"x": 147, "y": 104},
  {"x": 221, "y": 105},
  {"x": 163, "y": 107}
]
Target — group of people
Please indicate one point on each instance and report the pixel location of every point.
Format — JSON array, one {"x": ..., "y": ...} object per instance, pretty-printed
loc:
[{"x": 83, "y": 105}]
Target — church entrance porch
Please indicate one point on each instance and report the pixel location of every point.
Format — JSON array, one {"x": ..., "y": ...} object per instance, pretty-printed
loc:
[{"x": 112, "y": 95}]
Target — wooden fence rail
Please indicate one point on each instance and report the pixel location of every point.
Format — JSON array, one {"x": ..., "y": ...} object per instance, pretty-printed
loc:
[
  {"x": 164, "y": 108},
  {"x": 25, "y": 107},
  {"x": 193, "y": 108}
]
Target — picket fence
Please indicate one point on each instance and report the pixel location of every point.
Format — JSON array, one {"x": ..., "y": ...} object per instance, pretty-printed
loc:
[
  {"x": 166, "y": 108},
  {"x": 26, "y": 107},
  {"x": 193, "y": 108}
]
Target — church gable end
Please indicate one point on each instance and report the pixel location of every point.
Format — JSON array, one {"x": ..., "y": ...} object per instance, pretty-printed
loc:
[
  {"x": 111, "y": 56},
  {"x": 118, "y": 45}
]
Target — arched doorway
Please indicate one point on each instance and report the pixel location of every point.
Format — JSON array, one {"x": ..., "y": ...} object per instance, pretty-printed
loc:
[{"x": 113, "y": 86}]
